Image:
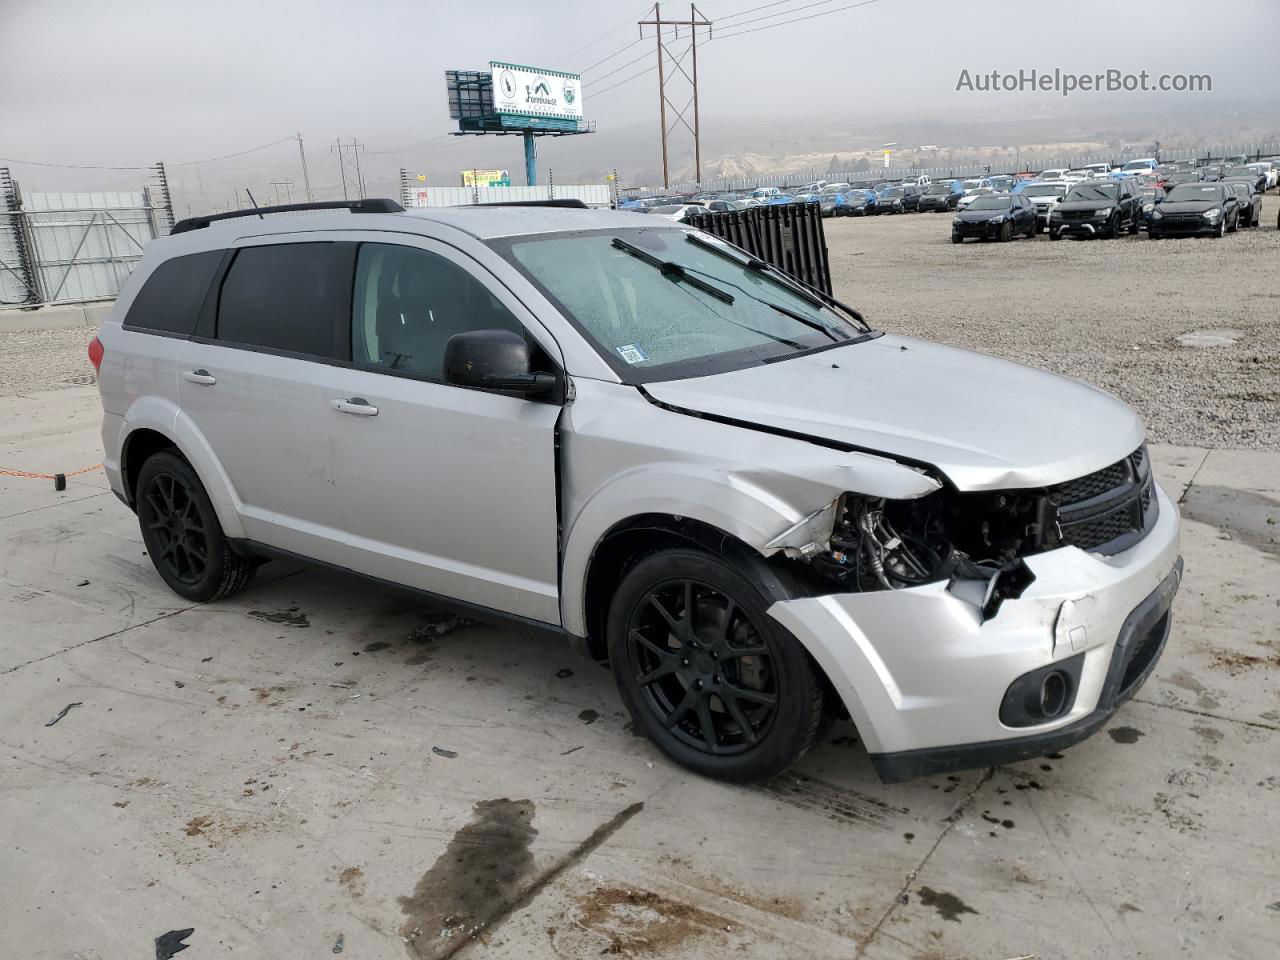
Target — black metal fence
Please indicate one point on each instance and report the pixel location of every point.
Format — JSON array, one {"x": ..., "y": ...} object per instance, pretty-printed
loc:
[{"x": 788, "y": 236}]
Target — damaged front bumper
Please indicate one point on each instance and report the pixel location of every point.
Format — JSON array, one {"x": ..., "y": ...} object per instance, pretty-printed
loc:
[{"x": 925, "y": 677}]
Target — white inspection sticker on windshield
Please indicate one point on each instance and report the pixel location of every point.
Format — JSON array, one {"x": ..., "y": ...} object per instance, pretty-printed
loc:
[{"x": 631, "y": 353}]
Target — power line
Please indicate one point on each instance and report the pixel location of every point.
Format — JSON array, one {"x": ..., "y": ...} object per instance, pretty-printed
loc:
[
  {"x": 610, "y": 56},
  {"x": 409, "y": 146},
  {"x": 783, "y": 23},
  {"x": 241, "y": 153},
  {"x": 69, "y": 166},
  {"x": 743, "y": 13},
  {"x": 625, "y": 80},
  {"x": 630, "y": 22},
  {"x": 629, "y": 63}
]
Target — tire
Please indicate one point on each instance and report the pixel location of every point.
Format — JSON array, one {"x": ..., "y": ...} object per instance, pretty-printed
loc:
[
  {"x": 1235, "y": 224},
  {"x": 956, "y": 238},
  {"x": 776, "y": 707},
  {"x": 1222, "y": 229},
  {"x": 1054, "y": 234},
  {"x": 1135, "y": 225},
  {"x": 182, "y": 533},
  {"x": 1113, "y": 227},
  {"x": 1152, "y": 235},
  {"x": 1006, "y": 232}
]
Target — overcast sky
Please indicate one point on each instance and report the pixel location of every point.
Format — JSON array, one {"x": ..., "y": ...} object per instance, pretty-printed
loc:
[{"x": 131, "y": 81}]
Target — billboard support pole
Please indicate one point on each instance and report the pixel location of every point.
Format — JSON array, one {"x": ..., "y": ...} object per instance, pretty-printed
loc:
[{"x": 530, "y": 159}]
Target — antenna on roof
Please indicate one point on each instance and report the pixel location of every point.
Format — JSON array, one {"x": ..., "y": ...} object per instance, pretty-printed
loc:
[{"x": 255, "y": 204}]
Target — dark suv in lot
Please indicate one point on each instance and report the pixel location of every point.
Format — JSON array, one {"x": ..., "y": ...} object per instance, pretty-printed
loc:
[{"x": 1097, "y": 208}]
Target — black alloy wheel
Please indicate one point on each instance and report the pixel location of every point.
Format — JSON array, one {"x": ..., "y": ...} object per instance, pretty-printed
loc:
[
  {"x": 715, "y": 682},
  {"x": 167, "y": 508},
  {"x": 182, "y": 534},
  {"x": 703, "y": 667}
]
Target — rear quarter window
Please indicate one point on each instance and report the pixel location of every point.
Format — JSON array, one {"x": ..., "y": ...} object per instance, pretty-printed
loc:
[
  {"x": 170, "y": 299},
  {"x": 291, "y": 297}
]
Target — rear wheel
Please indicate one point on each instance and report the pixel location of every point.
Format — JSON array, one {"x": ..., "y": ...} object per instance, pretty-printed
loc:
[
  {"x": 706, "y": 674},
  {"x": 182, "y": 533}
]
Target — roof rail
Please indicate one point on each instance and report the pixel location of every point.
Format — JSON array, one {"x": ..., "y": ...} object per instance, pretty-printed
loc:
[
  {"x": 371, "y": 205},
  {"x": 570, "y": 203}
]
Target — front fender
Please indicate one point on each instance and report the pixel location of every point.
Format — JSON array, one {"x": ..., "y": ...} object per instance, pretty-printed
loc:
[{"x": 623, "y": 457}]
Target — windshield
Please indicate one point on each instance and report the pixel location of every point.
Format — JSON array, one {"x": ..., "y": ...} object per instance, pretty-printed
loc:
[
  {"x": 935, "y": 189},
  {"x": 1241, "y": 172},
  {"x": 1195, "y": 191},
  {"x": 892, "y": 192},
  {"x": 658, "y": 306},
  {"x": 667, "y": 208},
  {"x": 1094, "y": 191},
  {"x": 1137, "y": 165},
  {"x": 1044, "y": 190},
  {"x": 990, "y": 203}
]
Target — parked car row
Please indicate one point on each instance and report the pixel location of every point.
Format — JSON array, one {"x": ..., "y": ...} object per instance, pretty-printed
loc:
[{"x": 1097, "y": 199}]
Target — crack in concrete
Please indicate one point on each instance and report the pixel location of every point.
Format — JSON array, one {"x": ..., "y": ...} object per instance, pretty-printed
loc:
[
  {"x": 1187, "y": 489},
  {"x": 1206, "y": 714},
  {"x": 60, "y": 503},
  {"x": 951, "y": 819},
  {"x": 134, "y": 626},
  {"x": 579, "y": 853}
]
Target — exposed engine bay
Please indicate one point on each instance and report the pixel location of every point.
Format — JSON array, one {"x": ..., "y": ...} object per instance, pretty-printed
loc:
[{"x": 977, "y": 541}]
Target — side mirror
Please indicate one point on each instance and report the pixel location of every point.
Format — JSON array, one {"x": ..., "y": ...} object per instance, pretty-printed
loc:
[{"x": 494, "y": 360}]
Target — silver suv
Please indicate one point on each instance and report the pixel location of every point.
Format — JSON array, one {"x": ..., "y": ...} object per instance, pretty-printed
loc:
[{"x": 759, "y": 510}]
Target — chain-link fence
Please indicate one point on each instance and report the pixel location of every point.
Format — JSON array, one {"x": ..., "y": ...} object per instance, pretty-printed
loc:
[{"x": 76, "y": 247}]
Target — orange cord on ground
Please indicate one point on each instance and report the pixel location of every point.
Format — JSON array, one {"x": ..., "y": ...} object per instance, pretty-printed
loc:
[{"x": 47, "y": 476}]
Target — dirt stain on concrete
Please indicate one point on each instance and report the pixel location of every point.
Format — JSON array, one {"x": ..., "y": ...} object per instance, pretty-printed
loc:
[
  {"x": 473, "y": 881},
  {"x": 1125, "y": 734},
  {"x": 376, "y": 646},
  {"x": 352, "y": 880},
  {"x": 288, "y": 618},
  {"x": 588, "y": 716},
  {"x": 948, "y": 905},
  {"x": 640, "y": 922}
]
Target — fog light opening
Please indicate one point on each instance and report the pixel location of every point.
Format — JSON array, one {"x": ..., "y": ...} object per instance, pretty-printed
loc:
[{"x": 1053, "y": 694}]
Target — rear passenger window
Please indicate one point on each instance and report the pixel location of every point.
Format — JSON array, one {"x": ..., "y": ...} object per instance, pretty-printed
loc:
[
  {"x": 292, "y": 297},
  {"x": 170, "y": 299}
]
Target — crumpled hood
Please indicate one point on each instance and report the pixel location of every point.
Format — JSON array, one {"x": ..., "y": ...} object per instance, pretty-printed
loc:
[{"x": 986, "y": 423}]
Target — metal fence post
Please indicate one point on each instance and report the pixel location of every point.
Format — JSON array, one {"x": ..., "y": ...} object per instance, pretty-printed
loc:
[
  {"x": 166, "y": 199},
  {"x": 404, "y": 187},
  {"x": 24, "y": 269}
]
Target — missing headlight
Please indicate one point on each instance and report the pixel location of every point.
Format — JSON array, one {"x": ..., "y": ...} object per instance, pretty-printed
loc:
[{"x": 879, "y": 544}]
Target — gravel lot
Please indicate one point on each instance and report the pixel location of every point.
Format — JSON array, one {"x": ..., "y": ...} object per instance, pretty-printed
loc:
[
  {"x": 1106, "y": 311},
  {"x": 44, "y": 360}
]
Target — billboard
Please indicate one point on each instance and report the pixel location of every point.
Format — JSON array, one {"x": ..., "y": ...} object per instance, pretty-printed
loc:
[
  {"x": 532, "y": 92},
  {"x": 486, "y": 178}
]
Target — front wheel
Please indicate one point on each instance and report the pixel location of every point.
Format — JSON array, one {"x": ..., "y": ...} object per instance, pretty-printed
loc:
[
  {"x": 1135, "y": 225},
  {"x": 706, "y": 674},
  {"x": 182, "y": 534},
  {"x": 1006, "y": 232},
  {"x": 1054, "y": 234},
  {"x": 956, "y": 238}
]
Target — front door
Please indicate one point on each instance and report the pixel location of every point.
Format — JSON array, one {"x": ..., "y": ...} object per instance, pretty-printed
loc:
[{"x": 446, "y": 489}]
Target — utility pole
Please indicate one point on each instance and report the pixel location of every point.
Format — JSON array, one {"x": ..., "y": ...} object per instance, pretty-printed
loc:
[
  {"x": 288, "y": 194},
  {"x": 302, "y": 154},
  {"x": 695, "y": 22},
  {"x": 349, "y": 163}
]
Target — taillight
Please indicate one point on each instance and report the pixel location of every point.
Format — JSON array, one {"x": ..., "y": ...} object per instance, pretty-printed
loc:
[{"x": 96, "y": 350}]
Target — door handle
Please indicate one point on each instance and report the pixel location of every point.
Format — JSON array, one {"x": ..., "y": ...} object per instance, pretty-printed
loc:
[
  {"x": 356, "y": 406},
  {"x": 200, "y": 376}
]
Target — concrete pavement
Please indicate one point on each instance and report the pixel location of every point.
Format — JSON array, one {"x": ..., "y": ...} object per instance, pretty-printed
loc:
[{"x": 319, "y": 763}]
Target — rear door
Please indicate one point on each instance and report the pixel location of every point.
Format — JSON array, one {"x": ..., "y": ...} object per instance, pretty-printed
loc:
[
  {"x": 253, "y": 386},
  {"x": 446, "y": 489}
]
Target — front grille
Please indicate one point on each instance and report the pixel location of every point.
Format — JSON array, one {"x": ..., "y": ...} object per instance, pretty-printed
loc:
[
  {"x": 1107, "y": 511},
  {"x": 1076, "y": 214},
  {"x": 1086, "y": 488}
]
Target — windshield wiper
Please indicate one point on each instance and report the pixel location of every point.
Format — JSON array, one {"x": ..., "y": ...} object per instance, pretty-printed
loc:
[
  {"x": 756, "y": 265},
  {"x": 673, "y": 271}
]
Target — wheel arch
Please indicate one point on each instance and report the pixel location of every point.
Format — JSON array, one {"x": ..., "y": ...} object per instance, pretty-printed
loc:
[
  {"x": 629, "y": 540},
  {"x": 146, "y": 435}
]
